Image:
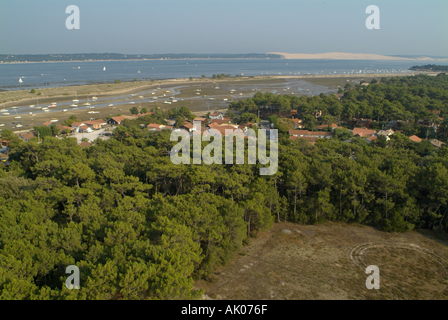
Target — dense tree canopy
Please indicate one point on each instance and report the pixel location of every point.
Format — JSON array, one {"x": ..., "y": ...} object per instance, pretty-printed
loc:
[{"x": 140, "y": 227}]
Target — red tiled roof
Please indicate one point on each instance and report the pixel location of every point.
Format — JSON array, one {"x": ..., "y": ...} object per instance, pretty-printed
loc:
[
  {"x": 311, "y": 140},
  {"x": 362, "y": 132},
  {"x": 95, "y": 122},
  {"x": 188, "y": 126},
  {"x": 27, "y": 136},
  {"x": 85, "y": 144},
  {"x": 298, "y": 132},
  {"x": 325, "y": 125},
  {"x": 415, "y": 138},
  {"x": 219, "y": 121},
  {"x": 222, "y": 130}
]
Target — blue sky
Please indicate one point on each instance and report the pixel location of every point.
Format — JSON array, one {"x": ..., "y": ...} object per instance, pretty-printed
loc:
[{"x": 407, "y": 27}]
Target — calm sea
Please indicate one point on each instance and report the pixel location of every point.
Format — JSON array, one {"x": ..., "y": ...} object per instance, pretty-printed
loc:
[{"x": 40, "y": 75}]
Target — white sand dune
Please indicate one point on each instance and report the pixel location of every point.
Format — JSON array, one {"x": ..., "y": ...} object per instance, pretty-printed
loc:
[{"x": 345, "y": 56}]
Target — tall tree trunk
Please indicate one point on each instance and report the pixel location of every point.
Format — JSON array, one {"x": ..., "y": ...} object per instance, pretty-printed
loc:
[
  {"x": 295, "y": 202},
  {"x": 340, "y": 202}
]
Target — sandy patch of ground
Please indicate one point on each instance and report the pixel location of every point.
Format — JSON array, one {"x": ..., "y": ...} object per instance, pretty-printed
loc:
[
  {"x": 344, "y": 56},
  {"x": 329, "y": 262}
]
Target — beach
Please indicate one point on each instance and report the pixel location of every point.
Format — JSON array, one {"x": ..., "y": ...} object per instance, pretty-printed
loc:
[{"x": 199, "y": 95}]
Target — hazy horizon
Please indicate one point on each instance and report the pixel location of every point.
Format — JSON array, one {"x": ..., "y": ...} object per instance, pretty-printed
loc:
[{"x": 412, "y": 28}]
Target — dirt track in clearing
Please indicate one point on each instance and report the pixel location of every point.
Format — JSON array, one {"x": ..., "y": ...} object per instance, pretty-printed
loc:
[{"x": 328, "y": 262}]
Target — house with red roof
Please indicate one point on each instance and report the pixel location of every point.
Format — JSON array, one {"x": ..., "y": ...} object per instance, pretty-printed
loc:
[
  {"x": 415, "y": 138},
  {"x": 216, "y": 115},
  {"x": 363, "y": 132}
]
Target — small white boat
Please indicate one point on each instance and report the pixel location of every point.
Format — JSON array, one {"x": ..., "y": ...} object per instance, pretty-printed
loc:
[
  {"x": 141, "y": 97},
  {"x": 133, "y": 95},
  {"x": 19, "y": 117},
  {"x": 19, "y": 126},
  {"x": 74, "y": 105},
  {"x": 154, "y": 98},
  {"x": 76, "y": 100},
  {"x": 87, "y": 104},
  {"x": 132, "y": 102},
  {"x": 110, "y": 105},
  {"x": 20, "y": 80},
  {"x": 174, "y": 100},
  {"x": 44, "y": 108},
  {"x": 225, "y": 99},
  {"x": 94, "y": 98},
  {"x": 167, "y": 102},
  {"x": 104, "y": 68},
  {"x": 6, "y": 114},
  {"x": 65, "y": 110},
  {"x": 4, "y": 110},
  {"x": 54, "y": 120},
  {"x": 14, "y": 107},
  {"x": 2, "y": 124},
  {"x": 241, "y": 94},
  {"x": 92, "y": 107},
  {"x": 212, "y": 99},
  {"x": 138, "y": 71},
  {"x": 47, "y": 110},
  {"x": 31, "y": 105}
]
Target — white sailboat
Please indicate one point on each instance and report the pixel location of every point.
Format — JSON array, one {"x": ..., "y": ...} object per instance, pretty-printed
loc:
[
  {"x": 87, "y": 103},
  {"x": 76, "y": 98},
  {"x": 104, "y": 68},
  {"x": 20, "y": 80}
]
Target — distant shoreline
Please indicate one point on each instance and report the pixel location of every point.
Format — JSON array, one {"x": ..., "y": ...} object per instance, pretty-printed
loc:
[
  {"x": 25, "y": 62},
  {"x": 349, "y": 56},
  {"x": 144, "y": 85}
]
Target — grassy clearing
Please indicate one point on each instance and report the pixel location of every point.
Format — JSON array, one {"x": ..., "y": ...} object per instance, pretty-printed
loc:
[{"x": 313, "y": 262}]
